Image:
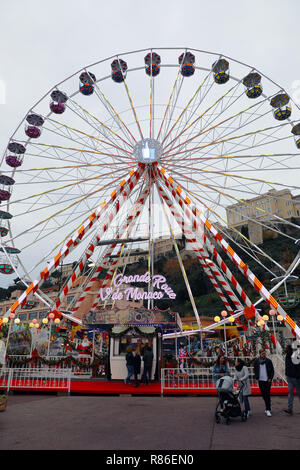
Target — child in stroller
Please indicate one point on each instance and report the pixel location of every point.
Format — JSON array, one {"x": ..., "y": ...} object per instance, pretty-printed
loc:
[{"x": 229, "y": 405}]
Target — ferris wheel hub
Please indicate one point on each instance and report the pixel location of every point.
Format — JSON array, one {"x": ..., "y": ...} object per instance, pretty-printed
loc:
[{"x": 148, "y": 151}]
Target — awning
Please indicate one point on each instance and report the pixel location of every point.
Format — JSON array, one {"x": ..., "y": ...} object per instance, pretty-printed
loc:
[
  {"x": 147, "y": 330},
  {"x": 117, "y": 330}
]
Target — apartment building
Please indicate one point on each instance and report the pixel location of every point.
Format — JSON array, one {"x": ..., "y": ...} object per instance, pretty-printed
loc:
[
  {"x": 162, "y": 247},
  {"x": 253, "y": 212},
  {"x": 280, "y": 203}
]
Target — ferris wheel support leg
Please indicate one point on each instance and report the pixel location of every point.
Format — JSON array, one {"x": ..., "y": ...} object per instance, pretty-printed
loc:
[
  {"x": 231, "y": 278},
  {"x": 183, "y": 201},
  {"x": 128, "y": 224},
  {"x": 222, "y": 265},
  {"x": 226, "y": 271},
  {"x": 129, "y": 182},
  {"x": 201, "y": 247},
  {"x": 203, "y": 259},
  {"x": 183, "y": 269},
  {"x": 104, "y": 227}
]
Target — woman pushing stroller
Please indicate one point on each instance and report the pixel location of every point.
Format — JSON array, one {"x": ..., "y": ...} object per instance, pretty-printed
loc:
[{"x": 241, "y": 375}]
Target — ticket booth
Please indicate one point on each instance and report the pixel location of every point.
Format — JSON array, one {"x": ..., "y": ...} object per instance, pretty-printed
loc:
[
  {"x": 135, "y": 328},
  {"x": 136, "y": 337}
]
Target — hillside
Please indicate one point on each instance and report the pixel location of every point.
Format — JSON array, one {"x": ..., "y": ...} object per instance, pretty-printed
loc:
[{"x": 208, "y": 302}]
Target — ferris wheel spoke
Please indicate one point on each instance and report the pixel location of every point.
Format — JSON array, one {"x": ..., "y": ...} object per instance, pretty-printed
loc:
[
  {"x": 219, "y": 101},
  {"x": 212, "y": 211},
  {"x": 223, "y": 173},
  {"x": 76, "y": 183},
  {"x": 246, "y": 249},
  {"x": 258, "y": 139},
  {"x": 171, "y": 104},
  {"x": 81, "y": 151},
  {"x": 55, "y": 214},
  {"x": 60, "y": 170},
  {"x": 197, "y": 97},
  {"x": 246, "y": 218},
  {"x": 151, "y": 102},
  {"x": 114, "y": 114},
  {"x": 71, "y": 130},
  {"x": 217, "y": 189},
  {"x": 247, "y": 135},
  {"x": 102, "y": 128},
  {"x": 243, "y": 119},
  {"x": 132, "y": 107}
]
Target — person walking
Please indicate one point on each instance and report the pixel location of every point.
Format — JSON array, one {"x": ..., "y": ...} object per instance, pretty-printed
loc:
[
  {"x": 220, "y": 368},
  {"x": 264, "y": 373},
  {"x": 292, "y": 372},
  {"x": 241, "y": 374},
  {"x": 136, "y": 367},
  {"x": 148, "y": 360},
  {"x": 129, "y": 365}
]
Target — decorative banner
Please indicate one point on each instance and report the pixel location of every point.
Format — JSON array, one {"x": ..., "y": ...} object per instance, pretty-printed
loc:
[
  {"x": 131, "y": 316},
  {"x": 119, "y": 291}
]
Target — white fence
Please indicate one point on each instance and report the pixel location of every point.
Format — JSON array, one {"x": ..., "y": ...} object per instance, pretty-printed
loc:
[
  {"x": 82, "y": 371},
  {"x": 39, "y": 378},
  {"x": 201, "y": 378}
]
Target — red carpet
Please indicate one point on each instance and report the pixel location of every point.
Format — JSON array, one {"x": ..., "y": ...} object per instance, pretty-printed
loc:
[
  {"x": 119, "y": 388},
  {"x": 100, "y": 387}
]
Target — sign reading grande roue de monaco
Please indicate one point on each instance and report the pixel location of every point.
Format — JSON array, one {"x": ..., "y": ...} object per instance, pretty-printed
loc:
[{"x": 119, "y": 291}]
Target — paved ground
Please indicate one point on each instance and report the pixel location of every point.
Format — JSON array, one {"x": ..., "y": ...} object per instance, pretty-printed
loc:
[{"x": 50, "y": 422}]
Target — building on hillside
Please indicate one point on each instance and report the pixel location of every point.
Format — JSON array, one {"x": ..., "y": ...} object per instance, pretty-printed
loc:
[
  {"x": 163, "y": 246},
  {"x": 254, "y": 212}
]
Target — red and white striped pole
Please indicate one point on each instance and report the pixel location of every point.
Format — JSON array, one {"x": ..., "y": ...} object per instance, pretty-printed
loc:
[
  {"x": 184, "y": 201},
  {"x": 129, "y": 224},
  {"x": 129, "y": 182}
]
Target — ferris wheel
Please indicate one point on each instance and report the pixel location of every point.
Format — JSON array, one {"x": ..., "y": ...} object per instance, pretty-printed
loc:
[{"x": 149, "y": 142}]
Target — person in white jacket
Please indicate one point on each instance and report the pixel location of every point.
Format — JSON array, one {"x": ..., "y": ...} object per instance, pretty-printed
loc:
[{"x": 241, "y": 374}]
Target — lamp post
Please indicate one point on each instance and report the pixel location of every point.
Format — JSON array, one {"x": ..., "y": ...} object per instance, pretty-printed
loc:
[
  {"x": 51, "y": 317},
  {"x": 224, "y": 315}
]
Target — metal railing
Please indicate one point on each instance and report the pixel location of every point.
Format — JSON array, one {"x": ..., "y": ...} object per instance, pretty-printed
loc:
[
  {"x": 201, "y": 378},
  {"x": 38, "y": 378},
  {"x": 82, "y": 371}
]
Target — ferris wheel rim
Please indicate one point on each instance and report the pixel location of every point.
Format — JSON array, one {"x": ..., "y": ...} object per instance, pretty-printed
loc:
[
  {"x": 140, "y": 68},
  {"x": 145, "y": 50}
]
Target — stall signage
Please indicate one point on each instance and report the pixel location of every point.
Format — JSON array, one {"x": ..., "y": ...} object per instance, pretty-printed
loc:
[{"x": 120, "y": 291}]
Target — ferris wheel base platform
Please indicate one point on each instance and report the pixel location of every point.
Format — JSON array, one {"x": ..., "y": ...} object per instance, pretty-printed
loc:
[
  {"x": 118, "y": 388},
  {"x": 153, "y": 389}
]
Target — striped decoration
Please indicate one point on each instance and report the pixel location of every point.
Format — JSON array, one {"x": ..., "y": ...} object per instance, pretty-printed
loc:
[
  {"x": 130, "y": 181},
  {"x": 104, "y": 227},
  {"x": 129, "y": 224},
  {"x": 183, "y": 200}
]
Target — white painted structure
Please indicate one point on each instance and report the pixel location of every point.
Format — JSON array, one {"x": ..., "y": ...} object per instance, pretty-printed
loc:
[{"x": 118, "y": 362}]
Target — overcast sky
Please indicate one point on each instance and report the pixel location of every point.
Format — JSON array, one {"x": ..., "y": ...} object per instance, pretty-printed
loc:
[{"x": 43, "y": 42}]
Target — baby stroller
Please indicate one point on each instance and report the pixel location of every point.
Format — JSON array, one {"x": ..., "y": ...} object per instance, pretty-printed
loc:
[{"x": 228, "y": 404}]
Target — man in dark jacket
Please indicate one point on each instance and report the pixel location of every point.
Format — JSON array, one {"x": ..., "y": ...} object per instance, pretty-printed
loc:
[
  {"x": 264, "y": 373},
  {"x": 136, "y": 367},
  {"x": 129, "y": 364},
  {"x": 148, "y": 360},
  {"x": 292, "y": 372}
]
